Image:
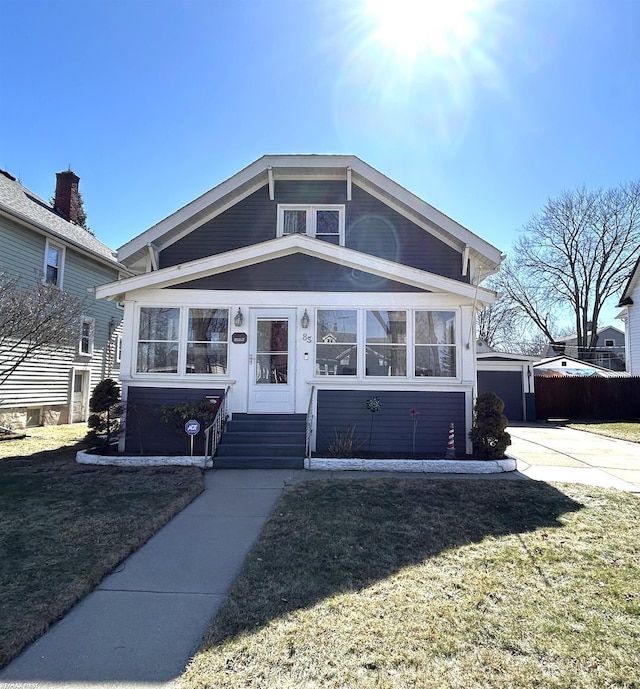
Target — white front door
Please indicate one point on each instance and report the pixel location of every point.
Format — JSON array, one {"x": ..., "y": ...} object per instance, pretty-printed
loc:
[{"x": 272, "y": 361}]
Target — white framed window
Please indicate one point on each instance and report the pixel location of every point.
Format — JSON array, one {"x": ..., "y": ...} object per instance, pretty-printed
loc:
[
  {"x": 87, "y": 331},
  {"x": 337, "y": 342},
  {"x": 322, "y": 221},
  {"x": 208, "y": 341},
  {"x": 386, "y": 343},
  {"x": 435, "y": 344},
  {"x": 609, "y": 343},
  {"x": 374, "y": 343},
  {"x": 182, "y": 340},
  {"x": 53, "y": 263}
]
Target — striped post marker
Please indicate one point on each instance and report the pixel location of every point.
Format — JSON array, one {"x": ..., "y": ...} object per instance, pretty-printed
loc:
[{"x": 451, "y": 448}]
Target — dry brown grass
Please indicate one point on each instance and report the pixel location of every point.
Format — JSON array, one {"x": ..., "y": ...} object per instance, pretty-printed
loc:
[
  {"x": 442, "y": 584},
  {"x": 64, "y": 526},
  {"x": 622, "y": 430}
]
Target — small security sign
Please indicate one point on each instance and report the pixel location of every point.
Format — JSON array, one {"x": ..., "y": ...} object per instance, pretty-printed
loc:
[{"x": 192, "y": 427}]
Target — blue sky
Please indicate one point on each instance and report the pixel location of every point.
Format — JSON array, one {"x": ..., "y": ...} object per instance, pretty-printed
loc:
[{"x": 153, "y": 102}]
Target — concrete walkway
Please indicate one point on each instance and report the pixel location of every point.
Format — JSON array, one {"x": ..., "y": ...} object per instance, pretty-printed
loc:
[
  {"x": 547, "y": 452},
  {"x": 141, "y": 626}
]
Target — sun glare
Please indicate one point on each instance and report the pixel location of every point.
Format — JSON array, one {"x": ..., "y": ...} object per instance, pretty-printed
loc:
[{"x": 413, "y": 28}]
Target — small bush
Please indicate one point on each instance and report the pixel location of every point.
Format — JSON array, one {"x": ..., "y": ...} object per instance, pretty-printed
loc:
[
  {"x": 488, "y": 435},
  {"x": 178, "y": 414}
]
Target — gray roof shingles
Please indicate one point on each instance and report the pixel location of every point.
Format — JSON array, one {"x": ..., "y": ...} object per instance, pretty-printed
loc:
[{"x": 18, "y": 200}]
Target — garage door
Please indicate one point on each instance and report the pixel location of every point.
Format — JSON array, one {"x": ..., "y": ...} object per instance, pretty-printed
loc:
[{"x": 508, "y": 386}]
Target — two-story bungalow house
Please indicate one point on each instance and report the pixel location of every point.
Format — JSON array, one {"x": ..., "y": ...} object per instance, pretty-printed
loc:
[
  {"x": 43, "y": 242},
  {"x": 307, "y": 286}
]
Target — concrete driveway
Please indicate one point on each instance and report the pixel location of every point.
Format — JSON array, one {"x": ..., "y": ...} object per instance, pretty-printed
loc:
[{"x": 546, "y": 452}]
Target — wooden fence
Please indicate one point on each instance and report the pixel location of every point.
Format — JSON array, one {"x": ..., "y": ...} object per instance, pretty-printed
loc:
[{"x": 571, "y": 397}]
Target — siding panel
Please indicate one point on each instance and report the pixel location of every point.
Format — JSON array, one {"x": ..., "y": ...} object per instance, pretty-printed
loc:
[
  {"x": 392, "y": 429},
  {"x": 145, "y": 429},
  {"x": 370, "y": 226},
  {"x": 298, "y": 273}
]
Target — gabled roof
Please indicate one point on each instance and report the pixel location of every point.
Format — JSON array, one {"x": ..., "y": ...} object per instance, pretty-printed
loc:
[
  {"x": 22, "y": 205},
  {"x": 573, "y": 339},
  {"x": 286, "y": 246},
  {"x": 270, "y": 168},
  {"x": 577, "y": 367}
]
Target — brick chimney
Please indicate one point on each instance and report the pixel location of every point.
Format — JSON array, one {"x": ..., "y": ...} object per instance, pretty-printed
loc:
[{"x": 67, "y": 200}]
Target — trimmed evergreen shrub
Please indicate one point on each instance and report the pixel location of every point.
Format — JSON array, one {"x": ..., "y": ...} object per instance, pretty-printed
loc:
[
  {"x": 488, "y": 435},
  {"x": 105, "y": 408}
]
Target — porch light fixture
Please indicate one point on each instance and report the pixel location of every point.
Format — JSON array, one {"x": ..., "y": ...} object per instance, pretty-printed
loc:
[
  {"x": 238, "y": 318},
  {"x": 304, "y": 321}
]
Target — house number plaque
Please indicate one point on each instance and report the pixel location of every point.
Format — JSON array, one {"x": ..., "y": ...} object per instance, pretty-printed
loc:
[{"x": 239, "y": 338}]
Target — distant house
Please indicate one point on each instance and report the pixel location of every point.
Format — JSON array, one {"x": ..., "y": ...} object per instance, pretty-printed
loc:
[
  {"x": 609, "y": 352},
  {"x": 631, "y": 316},
  {"x": 304, "y": 286},
  {"x": 562, "y": 365},
  {"x": 43, "y": 242}
]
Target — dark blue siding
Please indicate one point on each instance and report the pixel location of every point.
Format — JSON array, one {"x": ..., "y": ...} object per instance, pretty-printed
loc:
[
  {"x": 392, "y": 429},
  {"x": 146, "y": 432},
  {"x": 370, "y": 226},
  {"x": 298, "y": 273}
]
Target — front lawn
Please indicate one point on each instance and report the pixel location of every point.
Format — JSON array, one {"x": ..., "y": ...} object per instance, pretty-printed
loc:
[
  {"x": 623, "y": 430},
  {"x": 405, "y": 583},
  {"x": 64, "y": 526}
]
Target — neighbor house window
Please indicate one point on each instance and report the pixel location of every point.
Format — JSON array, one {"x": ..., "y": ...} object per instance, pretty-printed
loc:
[
  {"x": 336, "y": 342},
  {"x": 609, "y": 343},
  {"x": 87, "y": 329},
  {"x": 435, "y": 343},
  {"x": 207, "y": 341},
  {"x": 158, "y": 340},
  {"x": 386, "y": 343},
  {"x": 324, "y": 222},
  {"x": 53, "y": 264}
]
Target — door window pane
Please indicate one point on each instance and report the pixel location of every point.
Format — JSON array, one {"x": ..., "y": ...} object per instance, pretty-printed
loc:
[
  {"x": 336, "y": 342},
  {"x": 386, "y": 345},
  {"x": 435, "y": 343},
  {"x": 272, "y": 351},
  {"x": 207, "y": 343}
]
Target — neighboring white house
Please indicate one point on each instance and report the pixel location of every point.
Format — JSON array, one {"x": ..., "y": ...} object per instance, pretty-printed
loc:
[
  {"x": 306, "y": 285},
  {"x": 42, "y": 242},
  {"x": 630, "y": 315}
]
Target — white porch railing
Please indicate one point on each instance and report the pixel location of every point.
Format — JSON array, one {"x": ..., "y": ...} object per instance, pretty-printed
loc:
[
  {"x": 309, "y": 428},
  {"x": 213, "y": 433}
]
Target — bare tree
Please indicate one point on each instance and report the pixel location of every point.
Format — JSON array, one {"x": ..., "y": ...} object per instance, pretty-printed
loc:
[
  {"x": 33, "y": 320},
  {"x": 572, "y": 257}
]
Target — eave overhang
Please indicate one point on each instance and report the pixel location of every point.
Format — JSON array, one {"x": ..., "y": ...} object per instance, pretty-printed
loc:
[{"x": 286, "y": 246}]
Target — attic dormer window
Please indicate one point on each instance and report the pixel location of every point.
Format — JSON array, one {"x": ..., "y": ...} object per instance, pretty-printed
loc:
[{"x": 322, "y": 222}]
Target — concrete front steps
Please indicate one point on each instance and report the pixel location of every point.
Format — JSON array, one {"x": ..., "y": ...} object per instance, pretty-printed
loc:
[{"x": 262, "y": 441}]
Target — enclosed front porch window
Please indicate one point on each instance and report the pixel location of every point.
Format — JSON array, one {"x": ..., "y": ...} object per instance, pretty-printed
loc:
[
  {"x": 158, "y": 340},
  {"x": 435, "y": 343},
  {"x": 337, "y": 342},
  {"x": 207, "y": 341},
  {"x": 386, "y": 343}
]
